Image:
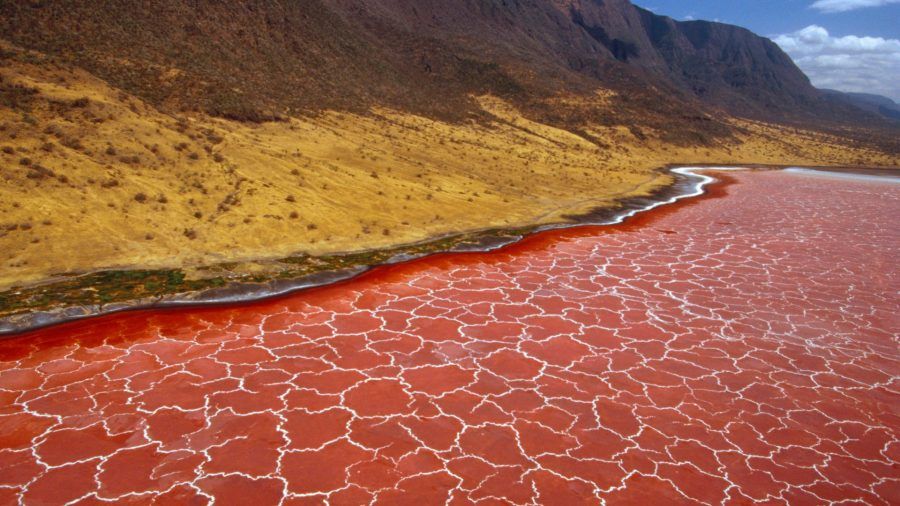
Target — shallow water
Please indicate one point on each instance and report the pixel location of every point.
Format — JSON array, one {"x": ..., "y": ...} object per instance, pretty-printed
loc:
[
  {"x": 739, "y": 346},
  {"x": 853, "y": 176}
]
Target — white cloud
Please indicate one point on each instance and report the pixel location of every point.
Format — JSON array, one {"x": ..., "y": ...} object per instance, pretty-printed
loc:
[
  {"x": 850, "y": 63},
  {"x": 831, "y": 6}
]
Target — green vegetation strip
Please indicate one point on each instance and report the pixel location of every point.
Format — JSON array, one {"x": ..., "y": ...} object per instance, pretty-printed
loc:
[{"x": 131, "y": 286}]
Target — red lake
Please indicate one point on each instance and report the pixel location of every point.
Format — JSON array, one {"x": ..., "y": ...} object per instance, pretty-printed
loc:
[{"x": 733, "y": 348}]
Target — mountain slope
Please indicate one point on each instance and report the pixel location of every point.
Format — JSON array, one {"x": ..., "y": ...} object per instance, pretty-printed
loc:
[
  {"x": 267, "y": 59},
  {"x": 210, "y": 136}
]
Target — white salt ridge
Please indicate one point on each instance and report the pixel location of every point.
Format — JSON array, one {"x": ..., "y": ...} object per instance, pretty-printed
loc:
[{"x": 700, "y": 181}]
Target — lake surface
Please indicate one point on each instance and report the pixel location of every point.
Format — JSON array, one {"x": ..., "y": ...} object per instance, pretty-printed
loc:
[{"x": 742, "y": 346}]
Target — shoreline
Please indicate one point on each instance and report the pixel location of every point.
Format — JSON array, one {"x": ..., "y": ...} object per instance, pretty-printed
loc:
[{"x": 689, "y": 184}]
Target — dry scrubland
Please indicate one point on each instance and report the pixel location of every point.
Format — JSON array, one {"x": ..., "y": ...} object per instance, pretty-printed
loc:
[{"x": 94, "y": 178}]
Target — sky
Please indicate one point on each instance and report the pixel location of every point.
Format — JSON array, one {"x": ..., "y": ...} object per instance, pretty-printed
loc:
[{"x": 848, "y": 45}]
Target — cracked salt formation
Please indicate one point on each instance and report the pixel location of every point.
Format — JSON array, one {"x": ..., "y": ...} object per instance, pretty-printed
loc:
[{"x": 733, "y": 350}]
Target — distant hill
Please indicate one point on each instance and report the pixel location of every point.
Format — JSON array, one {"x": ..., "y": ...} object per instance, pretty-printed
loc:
[{"x": 877, "y": 104}]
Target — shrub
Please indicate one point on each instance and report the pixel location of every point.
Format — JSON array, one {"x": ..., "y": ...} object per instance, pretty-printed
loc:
[
  {"x": 72, "y": 143},
  {"x": 214, "y": 137},
  {"x": 140, "y": 197},
  {"x": 38, "y": 171},
  {"x": 53, "y": 130},
  {"x": 190, "y": 233}
]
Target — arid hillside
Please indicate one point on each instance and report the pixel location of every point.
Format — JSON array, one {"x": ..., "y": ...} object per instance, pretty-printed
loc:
[
  {"x": 259, "y": 60},
  {"x": 172, "y": 134},
  {"x": 96, "y": 178}
]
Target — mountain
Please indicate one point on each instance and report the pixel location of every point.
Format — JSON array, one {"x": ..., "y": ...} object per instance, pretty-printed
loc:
[
  {"x": 723, "y": 65},
  {"x": 877, "y": 104},
  {"x": 263, "y": 59},
  {"x": 201, "y": 141}
]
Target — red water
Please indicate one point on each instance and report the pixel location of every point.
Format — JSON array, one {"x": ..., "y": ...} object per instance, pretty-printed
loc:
[{"x": 741, "y": 348}]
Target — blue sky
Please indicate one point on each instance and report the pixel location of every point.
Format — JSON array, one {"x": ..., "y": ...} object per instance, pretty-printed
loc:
[{"x": 852, "y": 45}]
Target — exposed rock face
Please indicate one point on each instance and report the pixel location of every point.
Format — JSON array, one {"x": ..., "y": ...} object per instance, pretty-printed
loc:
[
  {"x": 723, "y": 65},
  {"x": 261, "y": 59}
]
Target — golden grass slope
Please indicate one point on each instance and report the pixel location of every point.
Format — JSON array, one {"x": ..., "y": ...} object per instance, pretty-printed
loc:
[{"x": 96, "y": 179}]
